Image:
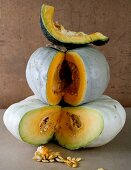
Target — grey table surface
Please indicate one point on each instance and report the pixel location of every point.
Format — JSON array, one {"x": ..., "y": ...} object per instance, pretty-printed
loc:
[{"x": 17, "y": 155}]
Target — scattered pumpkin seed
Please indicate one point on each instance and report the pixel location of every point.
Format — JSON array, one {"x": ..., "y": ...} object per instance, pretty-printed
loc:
[
  {"x": 73, "y": 159},
  {"x": 69, "y": 158},
  {"x": 58, "y": 160},
  {"x": 60, "y": 157},
  {"x": 51, "y": 157},
  {"x": 51, "y": 160},
  {"x": 46, "y": 161},
  {"x": 43, "y": 154},
  {"x": 74, "y": 165},
  {"x": 78, "y": 159}
]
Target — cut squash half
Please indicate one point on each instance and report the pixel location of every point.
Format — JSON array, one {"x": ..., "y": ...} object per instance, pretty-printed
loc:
[
  {"x": 77, "y": 76},
  {"x": 78, "y": 126},
  {"x": 57, "y": 34},
  {"x": 38, "y": 126},
  {"x": 66, "y": 79}
]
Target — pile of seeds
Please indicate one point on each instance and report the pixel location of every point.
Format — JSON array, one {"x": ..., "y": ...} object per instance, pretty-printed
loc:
[{"x": 43, "y": 154}]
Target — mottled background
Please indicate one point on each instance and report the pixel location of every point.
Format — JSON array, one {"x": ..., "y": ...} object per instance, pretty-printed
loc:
[{"x": 20, "y": 35}]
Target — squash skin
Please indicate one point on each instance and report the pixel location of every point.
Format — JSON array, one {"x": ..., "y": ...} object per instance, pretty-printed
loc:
[
  {"x": 97, "y": 70},
  {"x": 114, "y": 117},
  {"x": 15, "y": 112}
]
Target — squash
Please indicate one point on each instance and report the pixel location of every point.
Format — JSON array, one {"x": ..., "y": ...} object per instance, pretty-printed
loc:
[
  {"x": 77, "y": 76},
  {"x": 57, "y": 34},
  {"x": 32, "y": 121},
  {"x": 90, "y": 125}
]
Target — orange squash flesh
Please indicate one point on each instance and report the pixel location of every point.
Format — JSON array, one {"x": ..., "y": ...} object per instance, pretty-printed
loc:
[
  {"x": 53, "y": 86},
  {"x": 67, "y": 79},
  {"x": 41, "y": 124},
  {"x": 78, "y": 126},
  {"x": 79, "y": 79}
]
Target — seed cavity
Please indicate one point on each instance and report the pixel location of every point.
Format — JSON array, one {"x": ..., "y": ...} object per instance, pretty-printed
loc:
[
  {"x": 44, "y": 124},
  {"x": 74, "y": 86},
  {"x": 75, "y": 122},
  {"x": 68, "y": 79}
]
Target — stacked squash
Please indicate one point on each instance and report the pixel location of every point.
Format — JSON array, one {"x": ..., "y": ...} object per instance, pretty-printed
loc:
[{"x": 68, "y": 82}]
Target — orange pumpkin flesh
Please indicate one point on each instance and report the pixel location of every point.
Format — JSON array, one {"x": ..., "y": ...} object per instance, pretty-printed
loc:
[{"x": 66, "y": 79}]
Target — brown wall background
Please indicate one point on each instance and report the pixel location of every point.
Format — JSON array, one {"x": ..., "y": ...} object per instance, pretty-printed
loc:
[{"x": 20, "y": 35}]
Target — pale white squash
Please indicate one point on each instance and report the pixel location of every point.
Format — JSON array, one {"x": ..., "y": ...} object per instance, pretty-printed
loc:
[
  {"x": 110, "y": 110},
  {"x": 93, "y": 79}
]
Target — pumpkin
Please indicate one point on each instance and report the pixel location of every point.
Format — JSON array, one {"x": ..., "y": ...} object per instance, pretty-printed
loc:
[
  {"x": 77, "y": 76},
  {"x": 89, "y": 125},
  {"x": 57, "y": 34},
  {"x": 32, "y": 121}
]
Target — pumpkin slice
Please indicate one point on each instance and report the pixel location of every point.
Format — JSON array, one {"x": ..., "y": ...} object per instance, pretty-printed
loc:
[
  {"x": 90, "y": 125},
  {"x": 78, "y": 76},
  {"x": 78, "y": 126},
  {"x": 32, "y": 121},
  {"x": 57, "y": 34}
]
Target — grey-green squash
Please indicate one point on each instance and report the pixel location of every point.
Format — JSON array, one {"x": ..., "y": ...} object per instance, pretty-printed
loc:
[
  {"x": 77, "y": 76},
  {"x": 89, "y": 125}
]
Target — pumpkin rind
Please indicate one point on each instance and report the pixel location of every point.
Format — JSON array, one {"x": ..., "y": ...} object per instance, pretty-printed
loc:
[{"x": 64, "y": 37}]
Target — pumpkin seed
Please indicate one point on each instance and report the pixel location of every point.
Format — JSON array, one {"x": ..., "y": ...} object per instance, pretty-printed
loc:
[
  {"x": 58, "y": 160},
  {"x": 78, "y": 159},
  {"x": 69, "y": 158},
  {"x": 45, "y": 161},
  {"x": 73, "y": 159},
  {"x": 74, "y": 165},
  {"x": 51, "y": 156},
  {"x": 51, "y": 160},
  {"x": 60, "y": 157}
]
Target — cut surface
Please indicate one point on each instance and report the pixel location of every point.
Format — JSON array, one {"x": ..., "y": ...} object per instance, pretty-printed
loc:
[
  {"x": 54, "y": 84},
  {"x": 67, "y": 79},
  {"x": 78, "y": 126},
  {"x": 76, "y": 90},
  {"x": 38, "y": 126},
  {"x": 57, "y": 34}
]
